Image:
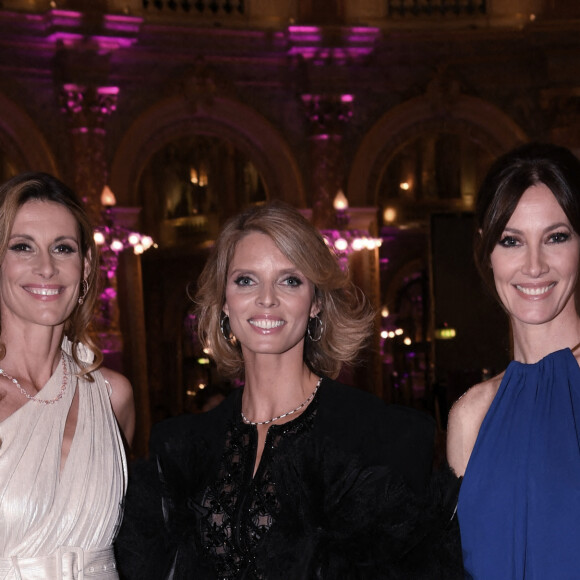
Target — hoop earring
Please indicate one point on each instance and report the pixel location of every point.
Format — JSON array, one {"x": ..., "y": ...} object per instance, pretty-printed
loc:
[
  {"x": 315, "y": 334},
  {"x": 225, "y": 328},
  {"x": 84, "y": 290}
]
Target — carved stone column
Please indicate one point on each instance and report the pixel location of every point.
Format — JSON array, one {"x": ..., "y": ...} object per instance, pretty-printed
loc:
[
  {"x": 327, "y": 115},
  {"x": 87, "y": 108}
]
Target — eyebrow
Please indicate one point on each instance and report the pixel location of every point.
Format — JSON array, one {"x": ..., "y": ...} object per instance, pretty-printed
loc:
[
  {"x": 546, "y": 229},
  {"x": 31, "y": 238},
  {"x": 294, "y": 271}
]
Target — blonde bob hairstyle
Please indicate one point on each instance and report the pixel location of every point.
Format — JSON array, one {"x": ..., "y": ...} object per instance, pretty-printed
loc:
[
  {"x": 44, "y": 187},
  {"x": 346, "y": 315}
]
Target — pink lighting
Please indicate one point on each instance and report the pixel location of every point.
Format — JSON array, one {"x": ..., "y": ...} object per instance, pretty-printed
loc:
[
  {"x": 121, "y": 23},
  {"x": 114, "y": 237},
  {"x": 147, "y": 242},
  {"x": 345, "y": 242},
  {"x": 65, "y": 18},
  {"x": 66, "y": 38},
  {"x": 99, "y": 238},
  {"x": 305, "y": 29},
  {"x": 305, "y": 33},
  {"x": 110, "y": 293},
  {"x": 117, "y": 246},
  {"x": 312, "y": 44},
  {"x": 119, "y": 31},
  {"x": 113, "y": 42}
]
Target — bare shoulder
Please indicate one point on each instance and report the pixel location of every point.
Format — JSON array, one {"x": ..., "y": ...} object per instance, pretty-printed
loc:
[
  {"x": 477, "y": 400},
  {"x": 122, "y": 401},
  {"x": 465, "y": 419},
  {"x": 119, "y": 383}
]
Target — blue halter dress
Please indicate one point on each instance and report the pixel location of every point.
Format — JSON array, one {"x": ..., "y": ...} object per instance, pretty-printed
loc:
[{"x": 519, "y": 504}]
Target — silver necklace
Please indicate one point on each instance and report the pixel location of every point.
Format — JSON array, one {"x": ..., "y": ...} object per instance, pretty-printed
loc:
[
  {"x": 303, "y": 404},
  {"x": 42, "y": 401}
]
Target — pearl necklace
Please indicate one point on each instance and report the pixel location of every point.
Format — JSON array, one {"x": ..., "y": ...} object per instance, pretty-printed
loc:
[
  {"x": 303, "y": 404},
  {"x": 41, "y": 401}
]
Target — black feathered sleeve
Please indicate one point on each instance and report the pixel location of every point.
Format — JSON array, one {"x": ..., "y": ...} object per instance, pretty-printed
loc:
[
  {"x": 157, "y": 539},
  {"x": 338, "y": 520},
  {"x": 142, "y": 546}
]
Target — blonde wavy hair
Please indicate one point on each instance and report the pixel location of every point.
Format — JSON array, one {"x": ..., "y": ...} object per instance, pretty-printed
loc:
[
  {"x": 346, "y": 314},
  {"x": 39, "y": 186}
]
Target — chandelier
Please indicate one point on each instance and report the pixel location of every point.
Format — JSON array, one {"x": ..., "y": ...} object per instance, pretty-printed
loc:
[
  {"x": 112, "y": 238},
  {"x": 344, "y": 240}
]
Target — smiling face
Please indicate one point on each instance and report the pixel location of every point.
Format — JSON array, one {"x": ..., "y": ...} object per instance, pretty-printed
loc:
[
  {"x": 535, "y": 263},
  {"x": 268, "y": 299},
  {"x": 42, "y": 269}
]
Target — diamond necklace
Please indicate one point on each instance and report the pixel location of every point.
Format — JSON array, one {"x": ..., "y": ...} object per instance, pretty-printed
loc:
[
  {"x": 303, "y": 404},
  {"x": 42, "y": 401}
]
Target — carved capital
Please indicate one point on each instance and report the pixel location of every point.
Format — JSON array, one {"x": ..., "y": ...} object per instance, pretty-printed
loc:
[
  {"x": 328, "y": 114},
  {"x": 199, "y": 86},
  {"x": 443, "y": 91},
  {"x": 88, "y": 106}
]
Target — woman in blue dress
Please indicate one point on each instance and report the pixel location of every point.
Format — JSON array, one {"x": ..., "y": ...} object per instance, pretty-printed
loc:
[{"x": 515, "y": 438}]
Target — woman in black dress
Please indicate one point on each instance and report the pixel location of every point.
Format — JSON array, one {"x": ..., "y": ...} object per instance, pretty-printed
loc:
[{"x": 295, "y": 475}]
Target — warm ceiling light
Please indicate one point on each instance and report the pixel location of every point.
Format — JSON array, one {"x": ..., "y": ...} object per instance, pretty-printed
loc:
[{"x": 390, "y": 215}]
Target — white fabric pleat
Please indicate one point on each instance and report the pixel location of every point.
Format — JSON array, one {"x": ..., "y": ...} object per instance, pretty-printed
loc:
[{"x": 41, "y": 509}]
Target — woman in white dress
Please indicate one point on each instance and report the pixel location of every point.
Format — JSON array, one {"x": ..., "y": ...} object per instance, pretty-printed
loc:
[{"x": 63, "y": 418}]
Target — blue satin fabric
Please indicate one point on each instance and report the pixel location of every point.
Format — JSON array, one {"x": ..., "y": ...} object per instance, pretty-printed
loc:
[{"x": 519, "y": 505}]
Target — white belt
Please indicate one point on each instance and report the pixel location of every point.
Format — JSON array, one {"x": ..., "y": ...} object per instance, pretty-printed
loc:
[{"x": 68, "y": 563}]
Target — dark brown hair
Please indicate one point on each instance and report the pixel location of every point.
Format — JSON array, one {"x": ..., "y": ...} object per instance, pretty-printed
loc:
[{"x": 505, "y": 183}]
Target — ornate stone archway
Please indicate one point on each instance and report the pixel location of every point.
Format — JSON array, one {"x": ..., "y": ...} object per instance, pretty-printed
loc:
[
  {"x": 481, "y": 121},
  {"x": 221, "y": 117},
  {"x": 22, "y": 141}
]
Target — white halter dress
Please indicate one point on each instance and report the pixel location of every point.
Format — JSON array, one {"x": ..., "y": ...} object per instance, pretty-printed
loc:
[{"x": 61, "y": 525}]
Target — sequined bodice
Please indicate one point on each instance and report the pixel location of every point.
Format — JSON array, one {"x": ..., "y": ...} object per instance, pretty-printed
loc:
[{"x": 239, "y": 508}]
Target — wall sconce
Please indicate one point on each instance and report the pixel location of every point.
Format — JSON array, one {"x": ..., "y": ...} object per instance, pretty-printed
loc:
[
  {"x": 389, "y": 215},
  {"x": 108, "y": 198}
]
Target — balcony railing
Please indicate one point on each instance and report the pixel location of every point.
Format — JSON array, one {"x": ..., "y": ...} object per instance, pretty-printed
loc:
[
  {"x": 436, "y": 7},
  {"x": 208, "y": 8}
]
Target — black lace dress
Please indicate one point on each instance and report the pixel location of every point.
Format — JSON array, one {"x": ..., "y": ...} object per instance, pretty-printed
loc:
[
  {"x": 338, "y": 494},
  {"x": 237, "y": 509}
]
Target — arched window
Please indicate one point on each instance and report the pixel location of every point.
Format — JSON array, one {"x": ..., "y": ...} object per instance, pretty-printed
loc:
[{"x": 192, "y": 184}]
